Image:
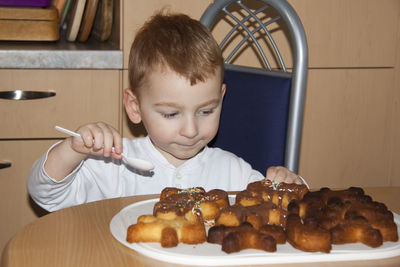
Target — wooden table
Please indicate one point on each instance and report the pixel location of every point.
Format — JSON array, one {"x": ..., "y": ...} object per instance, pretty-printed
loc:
[{"x": 80, "y": 236}]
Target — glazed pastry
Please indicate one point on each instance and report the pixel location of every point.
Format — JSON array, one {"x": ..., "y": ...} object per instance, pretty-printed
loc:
[
  {"x": 266, "y": 214},
  {"x": 268, "y": 191},
  {"x": 194, "y": 203},
  {"x": 349, "y": 216},
  {"x": 277, "y": 232},
  {"x": 179, "y": 216},
  {"x": 257, "y": 215},
  {"x": 307, "y": 235},
  {"x": 237, "y": 238}
]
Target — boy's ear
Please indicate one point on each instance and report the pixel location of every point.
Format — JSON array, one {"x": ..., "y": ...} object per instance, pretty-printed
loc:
[
  {"x": 223, "y": 89},
  {"x": 132, "y": 106}
]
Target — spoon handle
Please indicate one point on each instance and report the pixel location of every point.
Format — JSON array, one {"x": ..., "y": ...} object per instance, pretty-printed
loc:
[
  {"x": 61, "y": 129},
  {"x": 71, "y": 133}
]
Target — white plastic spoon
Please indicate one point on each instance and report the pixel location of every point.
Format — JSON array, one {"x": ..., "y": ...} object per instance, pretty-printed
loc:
[{"x": 138, "y": 164}]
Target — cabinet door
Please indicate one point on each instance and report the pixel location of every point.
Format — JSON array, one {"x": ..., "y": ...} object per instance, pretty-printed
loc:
[
  {"x": 81, "y": 96},
  {"x": 16, "y": 207},
  {"x": 135, "y": 13}
]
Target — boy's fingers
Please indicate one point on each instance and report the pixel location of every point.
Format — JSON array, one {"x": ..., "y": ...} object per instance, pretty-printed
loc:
[
  {"x": 270, "y": 172},
  {"x": 98, "y": 137},
  {"x": 117, "y": 141},
  {"x": 87, "y": 137},
  {"x": 108, "y": 139},
  {"x": 282, "y": 175},
  {"x": 274, "y": 173}
]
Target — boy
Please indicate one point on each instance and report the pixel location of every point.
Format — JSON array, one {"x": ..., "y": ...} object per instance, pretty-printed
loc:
[{"x": 176, "y": 90}]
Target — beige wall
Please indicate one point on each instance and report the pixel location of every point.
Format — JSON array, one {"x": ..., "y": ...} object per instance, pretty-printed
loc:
[
  {"x": 351, "y": 127},
  {"x": 352, "y": 114}
]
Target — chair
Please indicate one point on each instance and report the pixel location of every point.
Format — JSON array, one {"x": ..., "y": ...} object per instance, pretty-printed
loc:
[{"x": 262, "y": 114}]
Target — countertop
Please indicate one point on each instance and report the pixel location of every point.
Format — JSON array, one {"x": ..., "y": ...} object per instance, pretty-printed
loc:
[{"x": 60, "y": 55}]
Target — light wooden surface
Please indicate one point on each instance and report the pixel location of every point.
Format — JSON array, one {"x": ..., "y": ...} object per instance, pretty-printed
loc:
[
  {"x": 28, "y": 13},
  {"x": 80, "y": 236},
  {"x": 395, "y": 117},
  {"x": 16, "y": 208},
  {"x": 28, "y": 24},
  {"x": 27, "y": 129},
  {"x": 135, "y": 13},
  {"x": 350, "y": 33},
  {"x": 82, "y": 96},
  {"x": 340, "y": 33},
  {"x": 347, "y": 133},
  {"x": 352, "y": 108}
]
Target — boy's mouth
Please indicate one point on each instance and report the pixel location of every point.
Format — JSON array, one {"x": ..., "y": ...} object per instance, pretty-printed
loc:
[{"x": 188, "y": 146}]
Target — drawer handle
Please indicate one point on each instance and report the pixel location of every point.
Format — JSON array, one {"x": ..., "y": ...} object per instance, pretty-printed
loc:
[
  {"x": 5, "y": 165},
  {"x": 25, "y": 95}
]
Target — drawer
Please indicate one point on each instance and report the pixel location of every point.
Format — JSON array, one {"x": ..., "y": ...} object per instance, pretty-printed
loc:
[
  {"x": 79, "y": 97},
  {"x": 16, "y": 208}
]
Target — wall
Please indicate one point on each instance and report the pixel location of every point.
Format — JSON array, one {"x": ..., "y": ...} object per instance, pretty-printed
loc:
[
  {"x": 351, "y": 117},
  {"x": 351, "y": 129}
]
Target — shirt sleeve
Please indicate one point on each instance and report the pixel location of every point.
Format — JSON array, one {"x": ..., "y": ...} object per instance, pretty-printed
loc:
[
  {"x": 47, "y": 192},
  {"x": 244, "y": 173}
]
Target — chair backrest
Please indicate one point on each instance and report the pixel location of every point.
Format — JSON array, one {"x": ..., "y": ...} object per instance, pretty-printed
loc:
[{"x": 262, "y": 115}]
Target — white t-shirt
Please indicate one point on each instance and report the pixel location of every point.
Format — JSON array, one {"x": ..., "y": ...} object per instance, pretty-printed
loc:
[{"x": 99, "y": 178}]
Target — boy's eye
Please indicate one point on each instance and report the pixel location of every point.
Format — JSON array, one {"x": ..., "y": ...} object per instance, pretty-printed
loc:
[
  {"x": 206, "y": 111},
  {"x": 169, "y": 115}
]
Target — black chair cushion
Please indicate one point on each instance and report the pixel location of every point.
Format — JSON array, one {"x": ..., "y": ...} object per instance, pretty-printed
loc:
[{"x": 254, "y": 118}]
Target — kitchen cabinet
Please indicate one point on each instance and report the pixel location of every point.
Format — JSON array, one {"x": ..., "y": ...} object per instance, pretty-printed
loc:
[
  {"x": 72, "y": 83},
  {"x": 16, "y": 207},
  {"x": 81, "y": 96},
  {"x": 135, "y": 13},
  {"x": 78, "y": 97},
  {"x": 75, "y": 83}
]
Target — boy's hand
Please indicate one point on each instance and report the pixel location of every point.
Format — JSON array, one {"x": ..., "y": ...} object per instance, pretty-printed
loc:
[
  {"x": 281, "y": 174},
  {"x": 98, "y": 139}
]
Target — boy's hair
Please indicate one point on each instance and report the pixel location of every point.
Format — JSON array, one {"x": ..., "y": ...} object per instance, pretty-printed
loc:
[{"x": 178, "y": 42}]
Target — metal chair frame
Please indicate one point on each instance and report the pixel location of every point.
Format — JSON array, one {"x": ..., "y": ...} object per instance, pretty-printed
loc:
[{"x": 300, "y": 59}]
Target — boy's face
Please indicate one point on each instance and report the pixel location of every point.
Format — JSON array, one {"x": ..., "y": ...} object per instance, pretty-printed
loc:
[{"x": 180, "y": 119}]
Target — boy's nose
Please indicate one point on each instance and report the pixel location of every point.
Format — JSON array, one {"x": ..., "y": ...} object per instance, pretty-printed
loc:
[{"x": 189, "y": 128}]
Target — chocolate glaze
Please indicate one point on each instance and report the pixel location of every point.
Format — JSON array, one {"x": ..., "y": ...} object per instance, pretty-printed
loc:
[
  {"x": 267, "y": 191},
  {"x": 236, "y": 238},
  {"x": 348, "y": 215},
  {"x": 181, "y": 201},
  {"x": 282, "y": 188}
]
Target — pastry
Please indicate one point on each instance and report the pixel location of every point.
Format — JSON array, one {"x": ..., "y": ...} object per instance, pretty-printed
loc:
[
  {"x": 167, "y": 232},
  {"x": 237, "y": 238},
  {"x": 193, "y": 203},
  {"x": 178, "y": 217},
  {"x": 268, "y": 191},
  {"x": 349, "y": 216}
]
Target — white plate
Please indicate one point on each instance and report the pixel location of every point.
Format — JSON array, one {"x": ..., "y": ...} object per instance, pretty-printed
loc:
[{"x": 211, "y": 254}]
